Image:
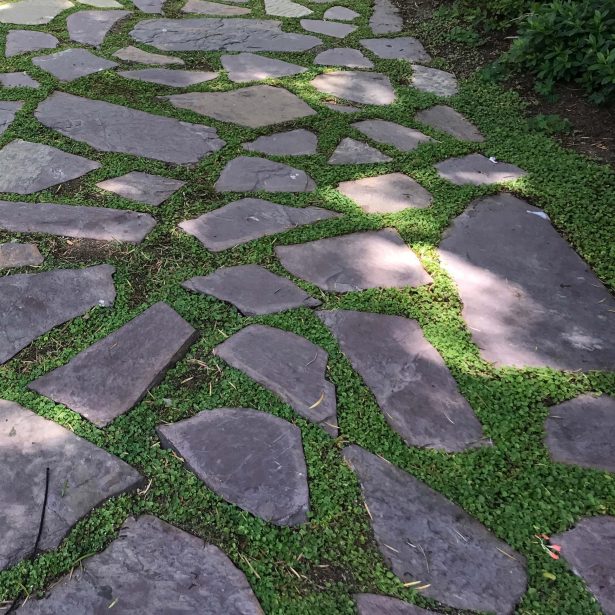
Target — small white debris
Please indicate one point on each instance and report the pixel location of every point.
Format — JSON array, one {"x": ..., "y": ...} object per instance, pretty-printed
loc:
[
  {"x": 540, "y": 214},
  {"x": 493, "y": 159}
]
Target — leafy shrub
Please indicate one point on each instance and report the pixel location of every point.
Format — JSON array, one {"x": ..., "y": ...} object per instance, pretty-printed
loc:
[{"x": 493, "y": 14}]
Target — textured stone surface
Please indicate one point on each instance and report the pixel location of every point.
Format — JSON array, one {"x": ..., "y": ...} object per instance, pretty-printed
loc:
[
  {"x": 255, "y": 106},
  {"x": 580, "y": 432},
  {"x": 34, "y": 303},
  {"x": 434, "y": 81},
  {"x": 134, "y": 54},
  {"x": 72, "y": 63},
  {"x": 114, "y": 128},
  {"x": 149, "y": 6},
  {"x": 373, "y": 604},
  {"x": 204, "y": 7},
  {"x": 403, "y": 138},
  {"x": 342, "y": 108},
  {"x": 412, "y": 385},
  {"x": 374, "y": 259},
  {"x": 298, "y": 142},
  {"x": 251, "y": 459},
  {"x": 287, "y": 364},
  {"x": 8, "y": 110},
  {"x": 91, "y": 27},
  {"x": 386, "y": 18},
  {"x": 248, "y": 219},
  {"x": 589, "y": 548},
  {"x": 399, "y": 48},
  {"x": 341, "y": 13},
  {"x": 343, "y": 56},
  {"x": 329, "y": 28},
  {"x": 236, "y": 34},
  {"x": 32, "y": 12},
  {"x": 111, "y": 376},
  {"x": 286, "y": 8},
  {"x": 27, "y": 167},
  {"x": 172, "y": 78},
  {"x": 18, "y": 80},
  {"x": 249, "y": 174},
  {"x": 366, "y": 88},
  {"x": 450, "y": 121},
  {"x": 529, "y": 299},
  {"x": 102, "y": 4},
  {"x": 19, "y": 255},
  {"x": 350, "y": 151},
  {"x": 423, "y": 536},
  {"x": 244, "y": 67},
  {"x": 23, "y": 41},
  {"x": 385, "y": 194},
  {"x": 78, "y": 221},
  {"x": 143, "y": 187},
  {"x": 477, "y": 170},
  {"x": 152, "y": 567},
  {"x": 81, "y": 476},
  {"x": 252, "y": 289}
]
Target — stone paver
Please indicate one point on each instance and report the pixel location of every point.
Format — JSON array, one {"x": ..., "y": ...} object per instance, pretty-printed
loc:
[
  {"x": 32, "y": 12},
  {"x": 529, "y": 299},
  {"x": 450, "y": 121},
  {"x": 18, "y": 80},
  {"x": 251, "y": 459},
  {"x": 149, "y": 6},
  {"x": 350, "y": 151},
  {"x": 341, "y": 13},
  {"x": 385, "y": 18},
  {"x": 252, "y": 289},
  {"x": 365, "y": 88},
  {"x": 372, "y": 604},
  {"x": 434, "y": 81},
  {"x": 72, "y": 64},
  {"x": 386, "y": 194},
  {"x": 373, "y": 259},
  {"x": 343, "y": 56},
  {"x": 298, "y": 142},
  {"x": 248, "y": 219},
  {"x": 329, "y": 28},
  {"x": 114, "y": 128},
  {"x": 143, "y": 187},
  {"x": 24, "y": 41},
  {"x": 423, "y": 536},
  {"x": 342, "y": 108},
  {"x": 286, "y": 8},
  {"x": 204, "y": 7},
  {"x": 19, "y": 255},
  {"x": 412, "y": 385},
  {"x": 580, "y": 432},
  {"x": 91, "y": 27},
  {"x": 477, "y": 170},
  {"x": 166, "y": 76},
  {"x": 389, "y": 133},
  {"x": 111, "y": 376},
  {"x": 134, "y": 54},
  {"x": 399, "y": 48},
  {"x": 245, "y": 67},
  {"x": 81, "y": 477},
  {"x": 8, "y": 111},
  {"x": 27, "y": 167},
  {"x": 102, "y": 4},
  {"x": 287, "y": 364},
  {"x": 152, "y": 567},
  {"x": 32, "y": 304}
]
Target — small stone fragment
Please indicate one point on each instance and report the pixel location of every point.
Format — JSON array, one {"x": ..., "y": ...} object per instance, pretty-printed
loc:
[
  {"x": 149, "y": 6},
  {"x": 342, "y": 108},
  {"x": 286, "y": 8},
  {"x": 8, "y": 111},
  {"x": 477, "y": 170},
  {"x": 24, "y": 41},
  {"x": 399, "y": 48},
  {"x": 298, "y": 142},
  {"x": 386, "y": 18},
  {"x": 329, "y": 28},
  {"x": 251, "y": 67},
  {"x": 143, "y": 187},
  {"x": 18, "y": 80},
  {"x": 166, "y": 76},
  {"x": 403, "y": 138},
  {"x": 340, "y": 13},
  {"x": 434, "y": 81},
  {"x": 343, "y": 56},
  {"x": 19, "y": 255},
  {"x": 366, "y": 88},
  {"x": 204, "y": 7},
  {"x": 32, "y": 12},
  {"x": 350, "y": 151},
  {"x": 450, "y": 121},
  {"x": 102, "y": 4},
  {"x": 91, "y": 27},
  {"x": 373, "y": 604},
  {"x": 72, "y": 64},
  {"x": 134, "y": 54}
]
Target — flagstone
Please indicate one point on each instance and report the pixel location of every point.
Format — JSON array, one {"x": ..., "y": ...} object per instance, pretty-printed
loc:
[
  {"x": 286, "y": 8},
  {"x": 477, "y": 170},
  {"x": 134, "y": 54},
  {"x": 290, "y": 366},
  {"x": 24, "y": 41},
  {"x": 91, "y": 27},
  {"x": 386, "y": 18},
  {"x": 329, "y": 28},
  {"x": 251, "y": 67},
  {"x": 424, "y": 536},
  {"x": 389, "y": 133},
  {"x": 451, "y": 122},
  {"x": 359, "y": 87},
  {"x": 32, "y": 12},
  {"x": 204, "y": 7},
  {"x": 149, "y": 6},
  {"x": 19, "y": 255},
  {"x": 350, "y": 151},
  {"x": 342, "y": 108},
  {"x": 252, "y": 289},
  {"x": 434, "y": 81},
  {"x": 372, "y": 259},
  {"x": 143, "y": 187},
  {"x": 252, "y": 459},
  {"x": 8, "y": 111},
  {"x": 115, "y": 128},
  {"x": 341, "y": 13},
  {"x": 343, "y": 56},
  {"x": 102, "y": 4},
  {"x": 398, "y": 48},
  {"x": 72, "y": 64},
  {"x": 299, "y": 142},
  {"x": 171, "y": 77},
  {"x": 372, "y": 604},
  {"x": 18, "y": 80}
]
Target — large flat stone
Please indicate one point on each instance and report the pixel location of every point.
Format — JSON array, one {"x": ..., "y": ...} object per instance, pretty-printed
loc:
[
  {"x": 386, "y": 18},
  {"x": 248, "y": 219},
  {"x": 24, "y": 41},
  {"x": 251, "y": 459},
  {"x": 152, "y": 567},
  {"x": 423, "y": 536},
  {"x": 403, "y": 138},
  {"x": 477, "y": 170},
  {"x": 350, "y": 151},
  {"x": 287, "y": 364},
  {"x": 252, "y": 289},
  {"x": 244, "y": 67},
  {"x": 172, "y": 78},
  {"x": 91, "y": 27},
  {"x": 286, "y": 8},
  {"x": 27, "y": 167},
  {"x": 343, "y": 56},
  {"x": 451, "y": 122},
  {"x": 8, "y": 111},
  {"x": 434, "y": 81},
  {"x": 149, "y": 6},
  {"x": 366, "y": 88},
  {"x": 328, "y": 28},
  {"x": 81, "y": 477},
  {"x": 143, "y": 187},
  {"x": 134, "y": 54},
  {"x": 255, "y": 106},
  {"x": 32, "y": 12},
  {"x": 19, "y": 255},
  {"x": 114, "y": 128},
  {"x": 529, "y": 299},
  {"x": 234, "y": 34},
  {"x": 373, "y": 604},
  {"x": 299, "y": 142},
  {"x": 72, "y": 64},
  {"x": 341, "y": 13},
  {"x": 102, "y": 4},
  {"x": 580, "y": 432},
  {"x": 374, "y": 259},
  {"x": 33, "y": 303},
  {"x": 412, "y": 385},
  {"x": 18, "y": 80},
  {"x": 204, "y": 7},
  {"x": 399, "y": 48}
]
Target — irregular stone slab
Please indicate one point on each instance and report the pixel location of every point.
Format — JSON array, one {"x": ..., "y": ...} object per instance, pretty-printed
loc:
[
  {"x": 114, "y": 374},
  {"x": 434, "y": 81},
  {"x": 32, "y": 304},
  {"x": 114, "y": 128},
  {"x": 81, "y": 477},
  {"x": 248, "y": 174},
  {"x": 27, "y": 167},
  {"x": 342, "y": 108},
  {"x": 399, "y": 48},
  {"x": 286, "y": 8},
  {"x": 220, "y": 35},
  {"x": 255, "y": 106},
  {"x": 477, "y": 170},
  {"x": 134, "y": 54},
  {"x": 386, "y": 18},
  {"x": 423, "y": 536},
  {"x": 72, "y": 64},
  {"x": 366, "y": 88},
  {"x": 78, "y": 221},
  {"x": 290, "y": 366},
  {"x": 32, "y": 12},
  {"x": 342, "y": 56},
  {"x": 386, "y": 194},
  {"x": 91, "y": 27},
  {"x": 252, "y": 289},
  {"x": 251, "y": 67},
  {"x": 151, "y": 566},
  {"x": 166, "y": 76},
  {"x": 579, "y": 432},
  {"x": 252, "y": 459},
  {"x": 350, "y": 151},
  {"x": 370, "y": 604},
  {"x": 19, "y": 255},
  {"x": 341, "y": 13},
  {"x": 329, "y": 28},
  {"x": 529, "y": 299},
  {"x": 102, "y": 4},
  {"x": 298, "y": 142},
  {"x": 248, "y": 219},
  {"x": 143, "y": 187},
  {"x": 149, "y": 6},
  {"x": 412, "y": 385},
  {"x": 374, "y": 259},
  {"x": 589, "y": 548},
  {"x": 8, "y": 111},
  {"x": 204, "y": 7},
  {"x": 18, "y": 80},
  {"x": 451, "y": 122},
  {"x": 24, "y": 41},
  {"x": 403, "y": 138}
]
